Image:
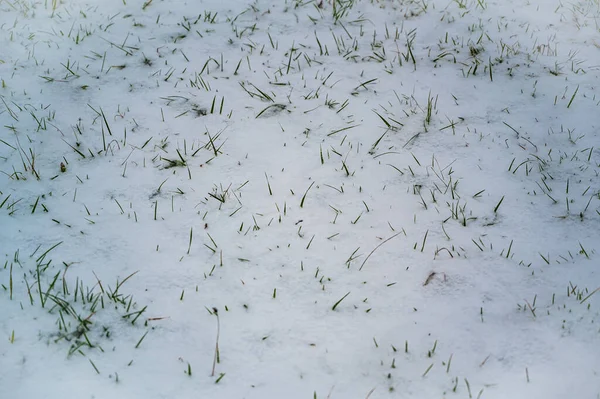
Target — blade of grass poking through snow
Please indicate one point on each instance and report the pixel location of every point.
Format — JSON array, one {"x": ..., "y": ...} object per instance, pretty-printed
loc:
[
  {"x": 290, "y": 59},
  {"x": 573, "y": 97},
  {"x": 93, "y": 365},
  {"x": 4, "y": 142},
  {"x": 583, "y": 251},
  {"x": 376, "y": 143},
  {"x": 590, "y": 295},
  {"x": 428, "y": 369},
  {"x": 268, "y": 184},
  {"x": 371, "y": 253},
  {"x": 342, "y": 129},
  {"x": 340, "y": 301},
  {"x": 384, "y": 120},
  {"x": 212, "y": 143},
  {"x": 39, "y": 284},
  {"x": 50, "y": 287},
  {"x": 105, "y": 122},
  {"x": 275, "y": 107},
  {"x": 310, "y": 242},
  {"x": 138, "y": 314},
  {"x": 477, "y": 245},
  {"x": 43, "y": 256},
  {"x": 113, "y": 294},
  {"x": 498, "y": 206},
  {"x": 509, "y": 249},
  {"x": 35, "y": 205},
  {"x": 304, "y": 196},
  {"x": 10, "y": 283},
  {"x": 141, "y": 339},
  {"x": 213, "y": 241},
  {"x": 216, "y": 358},
  {"x": 468, "y": 388},
  {"x": 365, "y": 83},
  {"x": 191, "y": 237},
  {"x": 74, "y": 149},
  {"x": 424, "y": 240},
  {"x": 183, "y": 162}
]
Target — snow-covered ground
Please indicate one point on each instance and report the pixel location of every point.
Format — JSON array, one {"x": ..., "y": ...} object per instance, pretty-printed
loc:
[{"x": 299, "y": 199}]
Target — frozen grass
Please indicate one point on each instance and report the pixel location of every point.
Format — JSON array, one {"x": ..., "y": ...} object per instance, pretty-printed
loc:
[{"x": 299, "y": 199}]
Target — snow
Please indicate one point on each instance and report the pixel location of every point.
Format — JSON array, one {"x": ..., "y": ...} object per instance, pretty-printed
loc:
[{"x": 341, "y": 206}]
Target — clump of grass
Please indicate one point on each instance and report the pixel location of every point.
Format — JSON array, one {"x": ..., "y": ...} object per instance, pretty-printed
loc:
[
  {"x": 76, "y": 305},
  {"x": 174, "y": 163}
]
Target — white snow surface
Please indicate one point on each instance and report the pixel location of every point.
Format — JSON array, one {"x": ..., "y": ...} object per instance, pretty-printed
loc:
[{"x": 385, "y": 199}]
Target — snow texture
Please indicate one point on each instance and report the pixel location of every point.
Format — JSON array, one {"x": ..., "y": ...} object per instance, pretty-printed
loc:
[{"x": 299, "y": 199}]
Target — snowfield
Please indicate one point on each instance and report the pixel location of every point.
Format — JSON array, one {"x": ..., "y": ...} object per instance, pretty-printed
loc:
[{"x": 299, "y": 199}]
